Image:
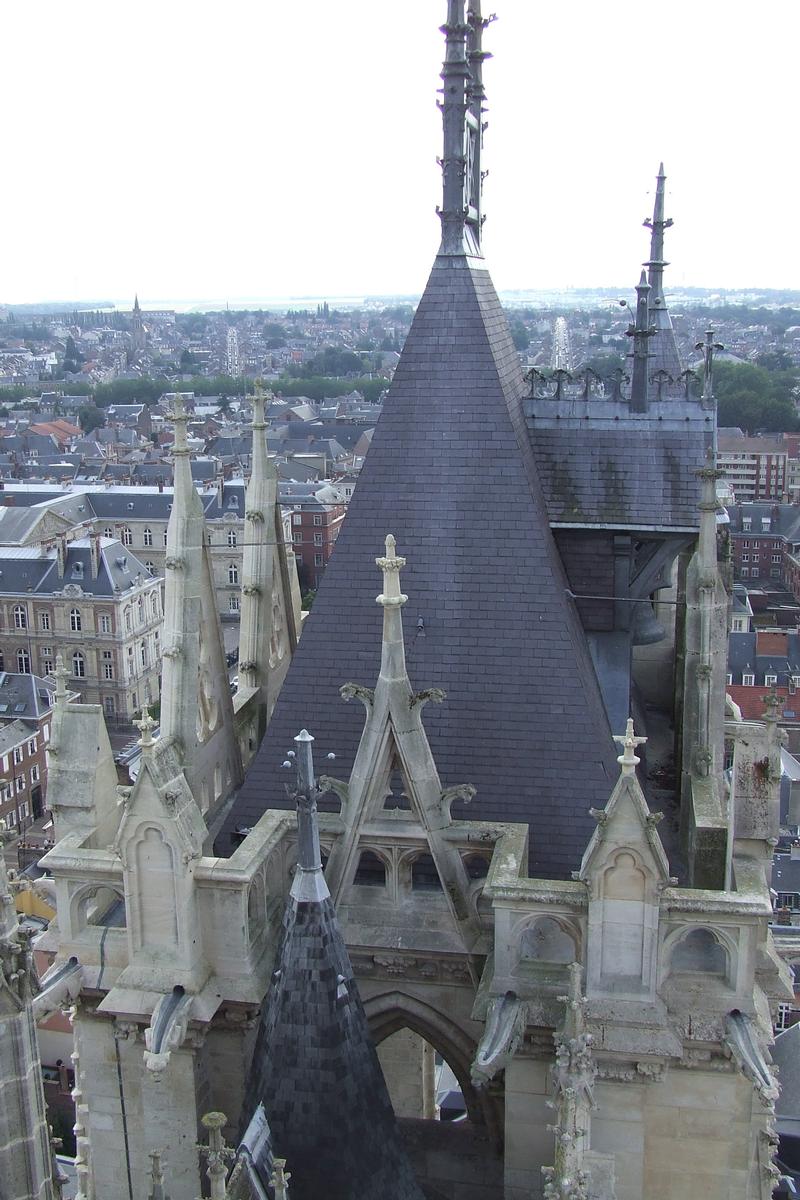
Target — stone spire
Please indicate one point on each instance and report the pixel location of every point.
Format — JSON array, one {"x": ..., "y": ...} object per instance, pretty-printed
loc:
[
  {"x": 462, "y": 120},
  {"x": 655, "y": 264},
  {"x": 26, "y": 1159},
  {"x": 664, "y": 350},
  {"x": 314, "y": 1068},
  {"x": 270, "y": 607},
  {"x": 641, "y": 331},
  {"x": 573, "y": 1077},
  {"x": 196, "y": 708},
  {"x": 394, "y": 738}
]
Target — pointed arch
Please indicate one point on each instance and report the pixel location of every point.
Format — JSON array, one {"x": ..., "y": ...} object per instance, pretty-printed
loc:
[{"x": 391, "y": 1011}]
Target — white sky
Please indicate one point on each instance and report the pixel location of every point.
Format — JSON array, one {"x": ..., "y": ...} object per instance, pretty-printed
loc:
[{"x": 271, "y": 148}]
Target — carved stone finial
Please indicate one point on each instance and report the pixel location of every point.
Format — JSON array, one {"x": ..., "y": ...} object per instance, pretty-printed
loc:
[
  {"x": 708, "y": 346},
  {"x": 216, "y": 1153},
  {"x": 391, "y": 565},
  {"x": 156, "y": 1177},
  {"x": 628, "y": 760},
  {"x": 279, "y": 1179},
  {"x": 773, "y": 707},
  {"x": 146, "y": 725},
  {"x": 60, "y": 674}
]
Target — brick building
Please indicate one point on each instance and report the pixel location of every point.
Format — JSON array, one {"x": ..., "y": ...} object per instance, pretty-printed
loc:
[
  {"x": 22, "y": 768},
  {"x": 316, "y": 523}
]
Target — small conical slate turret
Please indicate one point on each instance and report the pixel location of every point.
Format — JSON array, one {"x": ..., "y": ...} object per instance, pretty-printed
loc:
[
  {"x": 315, "y": 1070},
  {"x": 641, "y": 332}
]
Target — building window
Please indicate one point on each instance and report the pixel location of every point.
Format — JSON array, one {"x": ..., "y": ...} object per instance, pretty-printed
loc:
[
  {"x": 109, "y": 706},
  {"x": 165, "y": 536},
  {"x": 17, "y": 755},
  {"x": 44, "y": 621},
  {"x": 746, "y": 523},
  {"x": 729, "y": 678},
  {"x": 75, "y": 622},
  {"x": 756, "y": 558},
  {"x": 231, "y": 537},
  {"x": 297, "y": 537},
  {"x": 782, "y": 1018},
  {"x": 748, "y": 680},
  {"x": 154, "y": 603},
  {"x": 233, "y": 604},
  {"x": 745, "y": 572},
  {"x": 776, "y": 558},
  {"x": 108, "y": 664},
  {"x": 78, "y": 665},
  {"x": 297, "y": 518},
  {"x": 47, "y": 662},
  {"x": 233, "y": 573},
  {"x": 21, "y": 787},
  {"x": 745, "y": 558},
  {"x": 140, "y": 610},
  {"x": 746, "y": 544},
  {"x": 317, "y": 539},
  {"x": 127, "y": 537},
  {"x": 108, "y": 532},
  {"x": 143, "y": 653},
  {"x": 20, "y": 616},
  {"x": 147, "y": 537},
  {"x": 770, "y": 680},
  {"x": 35, "y": 773},
  {"x": 151, "y": 567},
  {"x": 23, "y": 662},
  {"x": 128, "y": 619},
  {"x": 317, "y": 518},
  {"x": 317, "y": 560},
  {"x": 775, "y": 572},
  {"x": 105, "y": 623}
]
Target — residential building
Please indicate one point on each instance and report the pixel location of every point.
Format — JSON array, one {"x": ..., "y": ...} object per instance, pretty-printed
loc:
[
  {"x": 95, "y": 604},
  {"x": 755, "y": 467},
  {"x": 22, "y": 772}
]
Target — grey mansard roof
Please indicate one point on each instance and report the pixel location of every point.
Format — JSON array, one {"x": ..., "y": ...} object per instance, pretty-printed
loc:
[{"x": 450, "y": 473}]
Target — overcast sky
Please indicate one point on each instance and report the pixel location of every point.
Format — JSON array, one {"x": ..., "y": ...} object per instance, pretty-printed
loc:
[{"x": 275, "y": 148}]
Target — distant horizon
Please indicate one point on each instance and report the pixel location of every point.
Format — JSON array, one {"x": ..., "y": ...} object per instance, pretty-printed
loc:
[{"x": 352, "y": 300}]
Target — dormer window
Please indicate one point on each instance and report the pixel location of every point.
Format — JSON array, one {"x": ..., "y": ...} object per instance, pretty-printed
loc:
[
  {"x": 748, "y": 680},
  {"x": 770, "y": 680},
  {"x": 766, "y": 523},
  {"x": 746, "y": 524},
  {"x": 77, "y": 570}
]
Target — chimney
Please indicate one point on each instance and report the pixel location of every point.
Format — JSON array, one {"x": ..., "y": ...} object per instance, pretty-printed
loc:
[
  {"x": 61, "y": 556},
  {"x": 94, "y": 554}
]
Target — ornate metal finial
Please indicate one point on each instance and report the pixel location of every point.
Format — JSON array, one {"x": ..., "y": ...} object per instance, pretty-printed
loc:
[
  {"x": 146, "y": 725},
  {"x": 279, "y": 1179},
  {"x": 60, "y": 674},
  {"x": 708, "y": 346},
  {"x": 641, "y": 331},
  {"x": 655, "y": 265},
  {"x": 462, "y": 121},
  {"x": 628, "y": 760},
  {"x": 391, "y": 565}
]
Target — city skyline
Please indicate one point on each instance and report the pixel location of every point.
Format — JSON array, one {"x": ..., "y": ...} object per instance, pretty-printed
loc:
[{"x": 182, "y": 158}]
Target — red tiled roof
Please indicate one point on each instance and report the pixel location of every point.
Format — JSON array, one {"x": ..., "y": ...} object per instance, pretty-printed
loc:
[
  {"x": 751, "y": 701},
  {"x": 772, "y": 643}
]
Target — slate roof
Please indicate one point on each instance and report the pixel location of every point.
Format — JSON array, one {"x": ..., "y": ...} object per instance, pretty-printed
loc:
[
  {"x": 33, "y": 569},
  {"x": 599, "y": 468},
  {"x": 450, "y": 473},
  {"x": 315, "y": 1069},
  {"x": 27, "y": 697}
]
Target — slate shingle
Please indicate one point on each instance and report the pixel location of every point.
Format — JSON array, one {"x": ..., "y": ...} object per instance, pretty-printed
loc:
[{"x": 523, "y": 719}]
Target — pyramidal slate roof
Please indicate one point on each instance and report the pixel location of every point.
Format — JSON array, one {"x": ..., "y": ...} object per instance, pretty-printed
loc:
[
  {"x": 315, "y": 1071},
  {"x": 451, "y": 474}
]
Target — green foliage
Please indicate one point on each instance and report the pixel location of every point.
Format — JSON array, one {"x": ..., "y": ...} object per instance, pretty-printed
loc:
[
  {"x": 308, "y": 600},
  {"x": 330, "y": 361},
  {"x": 319, "y": 387},
  {"x": 756, "y": 399},
  {"x": 90, "y": 417},
  {"x": 519, "y": 334}
]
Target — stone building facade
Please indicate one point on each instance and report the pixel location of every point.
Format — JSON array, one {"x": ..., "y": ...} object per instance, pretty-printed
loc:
[
  {"x": 92, "y": 602},
  {"x": 601, "y": 981}
]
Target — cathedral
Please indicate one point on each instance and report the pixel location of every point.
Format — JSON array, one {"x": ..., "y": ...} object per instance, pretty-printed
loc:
[{"x": 489, "y": 810}]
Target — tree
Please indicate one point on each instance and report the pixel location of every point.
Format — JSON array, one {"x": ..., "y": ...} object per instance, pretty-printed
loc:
[
  {"x": 90, "y": 417},
  {"x": 519, "y": 335},
  {"x": 756, "y": 399}
]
